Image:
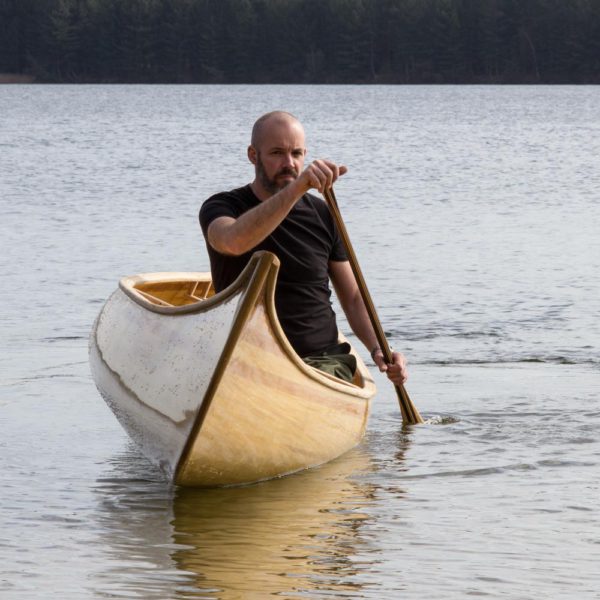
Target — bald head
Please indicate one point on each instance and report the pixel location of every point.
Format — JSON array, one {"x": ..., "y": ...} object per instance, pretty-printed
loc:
[
  {"x": 270, "y": 121},
  {"x": 277, "y": 152}
]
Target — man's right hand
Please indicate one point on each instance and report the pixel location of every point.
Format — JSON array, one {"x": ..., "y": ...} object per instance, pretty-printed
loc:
[{"x": 320, "y": 175}]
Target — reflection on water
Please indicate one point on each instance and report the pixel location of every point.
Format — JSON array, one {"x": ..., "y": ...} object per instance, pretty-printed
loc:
[
  {"x": 298, "y": 533},
  {"x": 288, "y": 537},
  {"x": 132, "y": 521}
]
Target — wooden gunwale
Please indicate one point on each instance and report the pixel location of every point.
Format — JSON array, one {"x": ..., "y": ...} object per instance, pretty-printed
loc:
[
  {"x": 139, "y": 297},
  {"x": 265, "y": 262}
]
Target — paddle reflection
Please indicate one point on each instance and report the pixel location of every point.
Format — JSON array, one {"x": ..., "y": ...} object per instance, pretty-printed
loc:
[{"x": 297, "y": 535}]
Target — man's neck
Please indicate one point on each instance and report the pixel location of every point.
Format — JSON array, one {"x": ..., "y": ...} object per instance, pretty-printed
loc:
[{"x": 259, "y": 191}]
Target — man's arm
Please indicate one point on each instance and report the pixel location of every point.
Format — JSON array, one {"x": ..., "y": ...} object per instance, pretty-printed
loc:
[
  {"x": 237, "y": 236},
  {"x": 354, "y": 307}
]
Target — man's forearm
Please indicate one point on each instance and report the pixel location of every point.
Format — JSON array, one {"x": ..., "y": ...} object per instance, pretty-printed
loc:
[
  {"x": 238, "y": 236},
  {"x": 359, "y": 321}
]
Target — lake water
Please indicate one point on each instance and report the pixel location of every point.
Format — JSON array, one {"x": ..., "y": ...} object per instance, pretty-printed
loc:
[{"x": 475, "y": 214}]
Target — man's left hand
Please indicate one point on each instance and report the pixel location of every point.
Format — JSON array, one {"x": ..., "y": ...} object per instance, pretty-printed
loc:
[{"x": 396, "y": 372}]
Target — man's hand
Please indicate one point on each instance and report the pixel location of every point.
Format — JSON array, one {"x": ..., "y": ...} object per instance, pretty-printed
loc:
[
  {"x": 396, "y": 372},
  {"x": 320, "y": 175}
]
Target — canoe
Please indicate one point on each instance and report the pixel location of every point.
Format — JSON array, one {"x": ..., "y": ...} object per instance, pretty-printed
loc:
[{"x": 209, "y": 387}]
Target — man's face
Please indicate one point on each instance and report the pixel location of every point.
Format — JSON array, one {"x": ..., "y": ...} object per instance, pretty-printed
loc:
[{"x": 279, "y": 155}]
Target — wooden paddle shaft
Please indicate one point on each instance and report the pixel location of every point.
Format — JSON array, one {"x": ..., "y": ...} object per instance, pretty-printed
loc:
[{"x": 410, "y": 414}]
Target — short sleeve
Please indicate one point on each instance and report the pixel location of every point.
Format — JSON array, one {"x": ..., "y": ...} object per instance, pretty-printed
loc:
[
  {"x": 220, "y": 205},
  {"x": 338, "y": 251}
]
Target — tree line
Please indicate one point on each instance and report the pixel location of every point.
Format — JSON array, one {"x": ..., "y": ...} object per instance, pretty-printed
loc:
[{"x": 302, "y": 41}]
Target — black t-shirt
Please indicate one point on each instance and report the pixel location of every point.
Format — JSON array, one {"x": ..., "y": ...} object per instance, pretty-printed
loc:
[{"x": 304, "y": 242}]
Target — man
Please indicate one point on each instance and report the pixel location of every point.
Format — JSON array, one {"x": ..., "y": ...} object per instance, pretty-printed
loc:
[{"x": 276, "y": 213}]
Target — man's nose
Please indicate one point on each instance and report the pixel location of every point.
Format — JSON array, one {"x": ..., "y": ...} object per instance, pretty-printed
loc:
[{"x": 289, "y": 159}]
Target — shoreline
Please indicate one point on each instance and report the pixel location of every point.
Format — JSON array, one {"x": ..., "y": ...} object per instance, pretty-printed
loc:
[{"x": 15, "y": 78}]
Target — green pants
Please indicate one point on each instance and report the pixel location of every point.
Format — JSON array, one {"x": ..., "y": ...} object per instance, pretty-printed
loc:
[{"x": 336, "y": 361}]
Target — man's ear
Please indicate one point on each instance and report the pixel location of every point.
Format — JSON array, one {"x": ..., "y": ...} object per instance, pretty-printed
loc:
[{"x": 252, "y": 154}]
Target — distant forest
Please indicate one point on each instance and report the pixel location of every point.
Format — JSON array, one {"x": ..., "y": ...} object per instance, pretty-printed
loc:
[{"x": 301, "y": 41}]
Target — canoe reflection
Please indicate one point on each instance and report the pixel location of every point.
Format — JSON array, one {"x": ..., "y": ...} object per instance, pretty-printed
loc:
[
  {"x": 307, "y": 535},
  {"x": 292, "y": 536}
]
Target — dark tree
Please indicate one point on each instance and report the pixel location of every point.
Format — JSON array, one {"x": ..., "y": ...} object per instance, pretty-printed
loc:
[{"x": 302, "y": 41}]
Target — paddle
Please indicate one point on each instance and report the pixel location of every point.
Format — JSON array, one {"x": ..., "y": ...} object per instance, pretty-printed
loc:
[{"x": 410, "y": 414}]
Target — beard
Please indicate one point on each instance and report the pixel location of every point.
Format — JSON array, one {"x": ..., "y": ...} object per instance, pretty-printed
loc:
[{"x": 273, "y": 185}]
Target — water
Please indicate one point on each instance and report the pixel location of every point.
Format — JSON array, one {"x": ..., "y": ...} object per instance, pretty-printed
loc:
[{"x": 474, "y": 212}]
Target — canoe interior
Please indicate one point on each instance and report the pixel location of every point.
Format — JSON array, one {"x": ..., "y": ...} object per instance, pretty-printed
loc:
[{"x": 175, "y": 293}]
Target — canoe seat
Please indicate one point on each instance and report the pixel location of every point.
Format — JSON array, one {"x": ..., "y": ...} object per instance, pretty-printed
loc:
[{"x": 175, "y": 293}]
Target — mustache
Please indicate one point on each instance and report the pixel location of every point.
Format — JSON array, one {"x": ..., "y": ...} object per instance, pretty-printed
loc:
[{"x": 287, "y": 171}]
